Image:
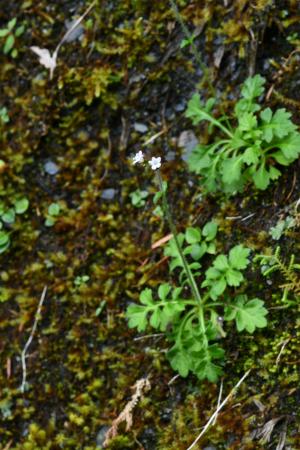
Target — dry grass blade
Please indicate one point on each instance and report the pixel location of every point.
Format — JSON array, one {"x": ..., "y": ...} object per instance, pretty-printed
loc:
[
  {"x": 213, "y": 417},
  {"x": 162, "y": 241},
  {"x": 140, "y": 387},
  {"x": 267, "y": 430},
  {"x": 23, "y": 355}
]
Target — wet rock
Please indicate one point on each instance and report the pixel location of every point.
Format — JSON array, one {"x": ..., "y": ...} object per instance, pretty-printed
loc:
[
  {"x": 187, "y": 141},
  {"x": 170, "y": 156},
  {"x": 76, "y": 33},
  {"x": 179, "y": 107},
  {"x": 51, "y": 168},
  {"x": 140, "y": 127},
  {"x": 108, "y": 194},
  {"x": 101, "y": 436}
]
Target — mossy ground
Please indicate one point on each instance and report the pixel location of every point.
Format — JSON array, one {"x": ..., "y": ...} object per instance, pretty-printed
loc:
[{"x": 127, "y": 68}]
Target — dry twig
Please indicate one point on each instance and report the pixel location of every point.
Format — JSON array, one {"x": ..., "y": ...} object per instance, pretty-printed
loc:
[
  {"x": 140, "y": 387},
  {"x": 23, "y": 355}
]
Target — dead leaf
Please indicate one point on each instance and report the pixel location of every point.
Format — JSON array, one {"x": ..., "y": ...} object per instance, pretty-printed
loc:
[
  {"x": 45, "y": 58},
  {"x": 161, "y": 241}
]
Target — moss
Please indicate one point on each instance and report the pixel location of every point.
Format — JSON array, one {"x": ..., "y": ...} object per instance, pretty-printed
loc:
[{"x": 128, "y": 68}]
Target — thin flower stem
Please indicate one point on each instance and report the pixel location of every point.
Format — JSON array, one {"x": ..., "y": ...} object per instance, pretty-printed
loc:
[
  {"x": 190, "y": 277},
  {"x": 190, "y": 37}
]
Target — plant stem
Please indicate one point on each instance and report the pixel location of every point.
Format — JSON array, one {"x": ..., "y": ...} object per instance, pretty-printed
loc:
[
  {"x": 190, "y": 277},
  {"x": 217, "y": 123},
  {"x": 190, "y": 37}
]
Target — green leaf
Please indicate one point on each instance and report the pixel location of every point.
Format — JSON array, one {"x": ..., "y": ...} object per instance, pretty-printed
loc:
[
  {"x": 281, "y": 159},
  {"x": 210, "y": 230},
  {"x": 138, "y": 198},
  {"x": 20, "y": 30},
  {"x": 244, "y": 105},
  {"x": 137, "y": 317},
  {"x": 211, "y": 248},
  {"x": 247, "y": 122},
  {"x": 277, "y": 231},
  {"x": 155, "y": 318},
  {"x": 50, "y": 221},
  {"x": 218, "y": 288},
  {"x": 21, "y": 205},
  {"x": 234, "y": 277},
  {"x": 221, "y": 262},
  {"x": 179, "y": 360},
  {"x": 197, "y": 251},
  {"x": 9, "y": 216},
  {"x": 251, "y": 155},
  {"x": 163, "y": 291},
  {"x": 199, "y": 159},
  {"x": 146, "y": 297},
  {"x": 261, "y": 178},
  {"x": 4, "y": 247},
  {"x": 171, "y": 247},
  {"x": 54, "y": 209},
  {"x": 231, "y": 169},
  {"x": 279, "y": 125},
  {"x": 157, "y": 197},
  {"x": 9, "y": 43},
  {"x": 4, "y": 32},
  {"x": 212, "y": 274},
  {"x": 208, "y": 370},
  {"x": 238, "y": 257},
  {"x": 253, "y": 87},
  {"x": 274, "y": 173},
  {"x": 194, "y": 109},
  {"x": 266, "y": 115},
  {"x": 205, "y": 368},
  {"x": 290, "y": 147},
  {"x": 248, "y": 314},
  {"x": 176, "y": 292},
  {"x": 193, "y": 235},
  {"x": 14, "y": 53},
  {"x": 197, "y": 111},
  {"x": 4, "y": 238},
  {"x": 11, "y": 24}
]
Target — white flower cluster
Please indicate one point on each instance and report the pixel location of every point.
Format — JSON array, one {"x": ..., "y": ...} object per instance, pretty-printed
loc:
[{"x": 154, "y": 162}]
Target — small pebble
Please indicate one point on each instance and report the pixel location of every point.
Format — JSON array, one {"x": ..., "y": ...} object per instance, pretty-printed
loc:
[
  {"x": 179, "y": 107},
  {"x": 187, "y": 141},
  {"x": 140, "y": 127},
  {"x": 108, "y": 194},
  {"x": 76, "y": 33},
  {"x": 101, "y": 436},
  {"x": 170, "y": 156},
  {"x": 51, "y": 168}
]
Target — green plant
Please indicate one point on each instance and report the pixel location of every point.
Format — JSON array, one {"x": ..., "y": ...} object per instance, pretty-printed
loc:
[
  {"x": 4, "y": 117},
  {"x": 138, "y": 198},
  {"x": 8, "y": 218},
  {"x": 191, "y": 319},
  {"x": 9, "y": 35},
  {"x": 54, "y": 210},
  {"x": 274, "y": 263},
  {"x": 252, "y": 142},
  {"x": 281, "y": 227},
  {"x": 81, "y": 279}
]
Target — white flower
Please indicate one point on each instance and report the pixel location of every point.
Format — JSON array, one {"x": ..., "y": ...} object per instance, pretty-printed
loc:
[
  {"x": 138, "y": 158},
  {"x": 155, "y": 163}
]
